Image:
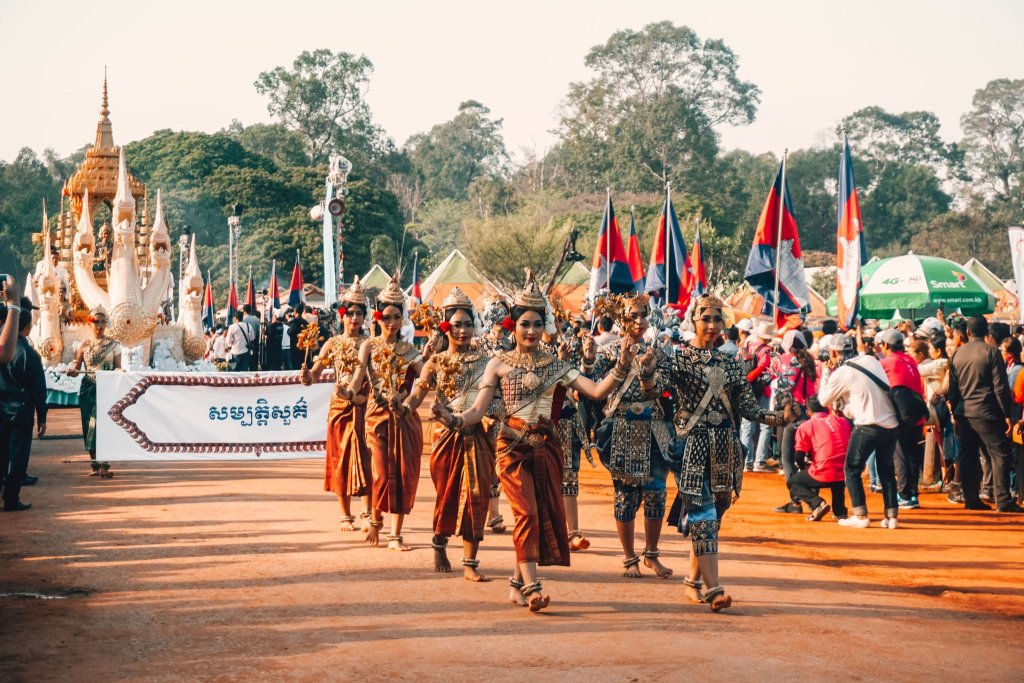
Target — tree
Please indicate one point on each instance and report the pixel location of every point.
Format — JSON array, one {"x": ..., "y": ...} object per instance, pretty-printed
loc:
[
  {"x": 994, "y": 137},
  {"x": 881, "y": 139},
  {"x": 454, "y": 154},
  {"x": 272, "y": 140},
  {"x": 24, "y": 184},
  {"x": 322, "y": 97},
  {"x": 648, "y": 116},
  {"x": 440, "y": 226}
]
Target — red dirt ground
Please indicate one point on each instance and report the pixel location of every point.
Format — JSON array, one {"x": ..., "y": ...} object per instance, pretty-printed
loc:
[{"x": 235, "y": 571}]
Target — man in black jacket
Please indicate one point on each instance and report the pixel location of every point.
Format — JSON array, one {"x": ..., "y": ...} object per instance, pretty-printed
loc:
[
  {"x": 22, "y": 399},
  {"x": 979, "y": 398}
]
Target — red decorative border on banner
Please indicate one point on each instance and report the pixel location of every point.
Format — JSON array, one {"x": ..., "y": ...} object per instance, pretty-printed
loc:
[{"x": 116, "y": 414}]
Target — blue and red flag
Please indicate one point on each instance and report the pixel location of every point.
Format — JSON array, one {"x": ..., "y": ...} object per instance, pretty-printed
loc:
[
  {"x": 668, "y": 260},
  {"x": 770, "y": 244},
  {"x": 208, "y": 313},
  {"x": 636, "y": 261},
  {"x": 274, "y": 292},
  {"x": 250, "y": 294},
  {"x": 610, "y": 268},
  {"x": 232, "y": 304},
  {"x": 851, "y": 249},
  {"x": 415, "y": 289},
  {"x": 297, "y": 289},
  {"x": 696, "y": 273}
]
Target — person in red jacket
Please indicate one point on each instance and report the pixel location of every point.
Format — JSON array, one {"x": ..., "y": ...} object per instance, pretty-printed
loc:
[
  {"x": 901, "y": 371},
  {"x": 821, "y": 445}
]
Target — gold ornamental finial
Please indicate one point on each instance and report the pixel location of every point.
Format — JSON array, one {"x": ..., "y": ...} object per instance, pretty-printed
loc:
[
  {"x": 530, "y": 295},
  {"x": 104, "y": 129},
  {"x": 105, "y": 110}
]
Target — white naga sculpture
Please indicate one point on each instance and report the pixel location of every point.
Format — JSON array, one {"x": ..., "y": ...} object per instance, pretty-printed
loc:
[
  {"x": 190, "y": 305},
  {"x": 47, "y": 334},
  {"x": 131, "y": 303}
]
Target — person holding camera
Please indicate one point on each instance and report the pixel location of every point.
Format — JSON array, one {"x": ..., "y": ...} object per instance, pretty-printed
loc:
[
  {"x": 798, "y": 381},
  {"x": 9, "y": 333},
  {"x": 901, "y": 370},
  {"x": 875, "y": 427}
]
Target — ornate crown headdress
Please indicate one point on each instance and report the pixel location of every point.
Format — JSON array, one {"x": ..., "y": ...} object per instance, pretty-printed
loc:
[
  {"x": 392, "y": 295},
  {"x": 457, "y": 299},
  {"x": 639, "y": 300},
  {"x": 704, "y": 301},
  {"x": 355, "y": 294},
  {"x": 98, "y": 312},
  {"x": 530, "y": 295}
]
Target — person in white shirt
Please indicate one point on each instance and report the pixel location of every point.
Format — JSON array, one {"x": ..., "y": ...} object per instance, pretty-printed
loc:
[
  {"x": 219, "y": 345},
  {"x": 874, "y": 428},
  {"x": 239, "y": 335}
]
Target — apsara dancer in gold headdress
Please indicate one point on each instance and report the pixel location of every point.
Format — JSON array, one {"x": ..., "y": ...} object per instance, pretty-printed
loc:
[
  {"x": 533, "y": 385},
  {"x": 393, "y": 432},
  {"x": 347, "y": 471},
  {"x": 461, "y": 460}
]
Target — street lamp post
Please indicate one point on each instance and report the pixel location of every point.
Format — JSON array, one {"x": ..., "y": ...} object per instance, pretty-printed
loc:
[
  {"x": 234, "y": 231},
  {"x": 186, "y": 231}
]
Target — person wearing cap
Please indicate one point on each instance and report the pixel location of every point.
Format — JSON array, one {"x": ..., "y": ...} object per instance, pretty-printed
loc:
[
  {"x": 979, "y": 398},
  {"x": 757, "y": 363},
  {"x": 744, "y": 328},
  {"x": 797, "y": 366},
  {"x": 901, "y": 370},
  {"x": 22, "y": 402},
  {"x": 99, "y": 353},
  {"x": 861, "y": 399}
]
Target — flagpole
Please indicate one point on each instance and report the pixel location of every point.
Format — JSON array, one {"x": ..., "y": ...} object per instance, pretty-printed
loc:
[
  {"x": 778, "y": 234},
  {"x": 668, "y": 238},
  {"x": 608, "y": 242}
]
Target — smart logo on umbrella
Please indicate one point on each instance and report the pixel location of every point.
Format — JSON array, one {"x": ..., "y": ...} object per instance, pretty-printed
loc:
[{"x": 961, "y": 281}]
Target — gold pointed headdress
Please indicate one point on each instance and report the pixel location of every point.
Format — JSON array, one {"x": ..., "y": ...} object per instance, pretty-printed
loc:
[
  {"x": 457, "y": 299},
  {"x": 530, "y": 295},
  {"x": 355, "y": 294},
  {"x": 98, "y": 313},
  {"x": 705, "y": 301},
  {"x": 392, "y": 295}
]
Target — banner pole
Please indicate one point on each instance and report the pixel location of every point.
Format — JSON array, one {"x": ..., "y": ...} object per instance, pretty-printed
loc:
[
  {"x": 608, "y": 243},
  {"x": 668, "y": 239},
  {"x": 778, "y": 235}
]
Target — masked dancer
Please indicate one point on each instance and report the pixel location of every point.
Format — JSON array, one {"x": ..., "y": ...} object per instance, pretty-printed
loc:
[
  {"x": 711, "y": 395},
  {"x": 99, "y": 353},
  {"x": 347, "y": 472},
  {"x": 393, "y": 432},
  {"x": 533, "y": 385},
  {"x": 633, "y": 439}
]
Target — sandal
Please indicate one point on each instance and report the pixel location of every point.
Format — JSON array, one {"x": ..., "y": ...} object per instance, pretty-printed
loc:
[
  {"x": 497, "y": 525},
  {"x": 577, "y": 541},
  {"x": 718, "y": 599},
  {"x": 105, "y": 472},
  {"x": 536, "y": 598},
  {"x": 632, "y": 563},
  {"x": 697, "y": 585}
]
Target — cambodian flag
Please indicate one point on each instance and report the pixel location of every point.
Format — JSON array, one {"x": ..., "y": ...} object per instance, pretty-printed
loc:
[
  {"x": 770, "y": 244},
  {"x": 296, "y": 290},
  {"x": 416, "y": 293},
  {"x": 275, "y": 291},
  {"x": 668, "y": 256},
  {"x": 610, "y": 267},
  {"x": 208, "y": 313},
  {"x": 232, "y": 304},
  {"x": 250, "y": 294},
  {"x": 851, "y": 249},
  {"x": 697, "y": 276},
  {"x": 636, "y": 261}
]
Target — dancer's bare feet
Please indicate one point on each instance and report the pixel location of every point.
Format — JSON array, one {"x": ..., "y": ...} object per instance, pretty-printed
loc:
[
  {"x": 395, "y": 543},
  {"x": 577, "y": 541},
  {"x": 497, "y": 525},
  {"x": 651, "y": 561},
  {"x": 373, "y": 533},
  {"x": 692, "y": 589},
  {"x": 515, "y": 592},
  {"x": 346, "y": 523},
  {"x": 632, "y": 565},
  {"x": 469, "y": 570},
  {"x": 441, "y": 563},
  {"x": 365, "y": 517},
  {"x": 536, "y": 600},
  {"x": 718, "y": 599}
]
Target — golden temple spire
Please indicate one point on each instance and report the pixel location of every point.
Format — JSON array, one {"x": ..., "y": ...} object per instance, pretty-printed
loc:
[{"x": 104, "y": 129}]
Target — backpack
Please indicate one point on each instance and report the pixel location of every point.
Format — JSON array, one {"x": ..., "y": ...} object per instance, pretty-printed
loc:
[
  {"x": 909, "y": 406},
  {"x": 749, "y": 360}
]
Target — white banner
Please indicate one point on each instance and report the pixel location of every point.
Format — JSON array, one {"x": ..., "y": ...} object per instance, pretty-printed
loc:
[
  {"x": 209, "y": 416},
  {"x": 1017, "y": 254}
]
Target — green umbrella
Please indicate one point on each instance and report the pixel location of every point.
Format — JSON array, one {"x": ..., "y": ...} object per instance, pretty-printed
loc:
[{"x": 917, "y": 285}]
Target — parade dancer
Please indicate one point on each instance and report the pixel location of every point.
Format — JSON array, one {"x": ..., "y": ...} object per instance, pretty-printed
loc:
[
  {"x": 711, "y": 395},
  {"x": 394, "y": 433},
  {"x": 347, "y": 471},
  {"x": 633, "y": 439},
  {"x": 533, "y": 385},
  {"x": 461, "y": 460},
  {"x": 496, "y": 340},
  {"x": 99, "y": 353}
]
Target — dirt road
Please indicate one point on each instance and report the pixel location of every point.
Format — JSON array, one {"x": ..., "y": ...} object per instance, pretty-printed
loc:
[{"x": 221, "y": 571}]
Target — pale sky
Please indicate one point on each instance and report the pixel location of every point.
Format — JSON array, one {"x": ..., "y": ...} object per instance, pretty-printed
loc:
[{"x": 189, "y": 65}]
